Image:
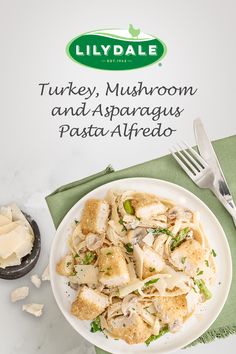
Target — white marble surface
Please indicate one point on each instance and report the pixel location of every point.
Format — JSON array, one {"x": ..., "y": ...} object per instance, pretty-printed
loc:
[{"x": 34, "y": 161}]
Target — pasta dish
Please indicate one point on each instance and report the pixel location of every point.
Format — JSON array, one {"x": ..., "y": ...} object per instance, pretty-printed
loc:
[{"x": 140, "y": 265}]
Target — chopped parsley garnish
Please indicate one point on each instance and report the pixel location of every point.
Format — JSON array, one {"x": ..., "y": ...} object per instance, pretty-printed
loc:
[
  {"x": 109, "y": 253},
  {"x": 199, "y": 272},
  {"x": 76, "y": 255},
  {"x": 151, "y": 269},
  {"x": 206, "y": 263},
  {"x": 76, "y": 222},
  {"x": 129, "y": 247},
  {"x": 128, "y": 207},
  {"x": 95, "y": 326},
  {"x": 160, "y": 231},
  {"x": 194, "y": 289},
  {"x": 203, "y": 289},
  {"x": 150, "y": 282},
  {"x": 153, "y": 337},
  {"x": 68, "y": 264},
  {"x": 213, "y": 253},
  {"x": 177, "y": 240},
  {"x": 123, "y": 224},
  {"x": 89, "y": 258},
  {"x": 183, "y": 259}
]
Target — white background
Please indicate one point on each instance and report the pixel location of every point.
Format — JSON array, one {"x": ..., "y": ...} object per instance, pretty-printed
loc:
[{"x": 200, "y": 37}]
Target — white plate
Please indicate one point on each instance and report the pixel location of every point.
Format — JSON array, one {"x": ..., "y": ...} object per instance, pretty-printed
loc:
[{"x": 196, "y": 325}]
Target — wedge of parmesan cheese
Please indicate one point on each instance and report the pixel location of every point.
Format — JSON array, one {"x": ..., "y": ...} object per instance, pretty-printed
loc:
[
  {"x": 19, "y": 293},
  {"x": 16, "y": 236},
  {"x": 4, "y": 220},
  {"x": 14, "y": 245},
  {"x": 85, "y": 274},
  {"x": 36, "y": 280},
  {"x": 33, "y": 309},
  {"x": 46, "y": 275},
  {"x": 6, "y": 211}
]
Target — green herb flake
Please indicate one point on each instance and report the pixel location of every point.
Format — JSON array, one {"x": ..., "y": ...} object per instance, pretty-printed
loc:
[
  {"x": 109, "y": 253},
  {"x": 213, "y": 253},
  {"x": 199, "y": 272},
  {"x": 128, "y": 207},
  {"x": 129, "y": 247},
  {"x": 95, "y": 326},
  {"x": 153, "y": 337},
  {"x": 177, "y": 240},
  {"x": 76, "y": 222},
  {"x": 203, "y": 289},
  {"x": 68, "y": 264},
  {"x": 89, "y": 258},
  {"x": 206, "y": 263},
  {"x": 183, "y": 259},
  {"x": 123, "y": 224},
  {"x": 151, "y": 269},
  {"x": 150, "y": 282},
  {"x": 160, "y": 231}
]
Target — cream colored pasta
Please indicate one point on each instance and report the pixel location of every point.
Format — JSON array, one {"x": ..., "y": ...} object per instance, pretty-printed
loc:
[{"x": 145, "y": 273}]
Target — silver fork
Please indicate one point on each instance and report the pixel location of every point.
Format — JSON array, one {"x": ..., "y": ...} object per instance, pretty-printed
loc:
[{"x": 199, "y": 171}]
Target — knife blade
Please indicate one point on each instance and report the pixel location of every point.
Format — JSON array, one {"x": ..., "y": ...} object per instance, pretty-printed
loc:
[{"x": 207, "y": 152}]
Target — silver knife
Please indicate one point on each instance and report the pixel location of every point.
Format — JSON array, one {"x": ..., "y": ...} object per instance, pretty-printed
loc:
[{"x": 207, "y": 152}]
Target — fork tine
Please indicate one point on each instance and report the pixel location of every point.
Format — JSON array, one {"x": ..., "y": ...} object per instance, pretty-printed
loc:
[
  {"x": 196, "y": 155},
  {"x": 196, "y": 164},
  {"x": 186, "y": 162},
  {"x": 180, "y": 162}
]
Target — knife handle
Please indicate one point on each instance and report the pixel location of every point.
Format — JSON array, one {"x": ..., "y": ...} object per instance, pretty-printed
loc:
[{"x": 228, "y": 207}]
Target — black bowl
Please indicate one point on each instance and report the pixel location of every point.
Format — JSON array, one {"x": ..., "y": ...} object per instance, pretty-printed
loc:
[{"x": 29, "y": 261}]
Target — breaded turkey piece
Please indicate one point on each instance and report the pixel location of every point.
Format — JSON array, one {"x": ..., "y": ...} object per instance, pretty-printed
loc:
[
  {"x": 172, "y": 310},
  {"x": 189, "y": 257},
  {"x": 89, "y": 304},
  {"x": 131, "y": 329},
  {"x": 113, "y": 270},
  {"x": 95, "y": 216},
  {"x": 152, "y": 262}
]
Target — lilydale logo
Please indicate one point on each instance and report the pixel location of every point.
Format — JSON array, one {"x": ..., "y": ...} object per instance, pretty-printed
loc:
[{"x": 116, "y": 49}]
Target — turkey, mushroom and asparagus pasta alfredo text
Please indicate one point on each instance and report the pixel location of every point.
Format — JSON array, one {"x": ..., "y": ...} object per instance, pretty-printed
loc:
[{"x": 140, "y": 265}]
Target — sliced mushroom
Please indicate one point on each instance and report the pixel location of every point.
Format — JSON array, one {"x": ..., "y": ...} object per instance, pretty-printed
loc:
[
  {"x": 136, "y": 235},
  {"x": 159, "y": 244},
  {"x": 115, "y": 309},
  {"x": 180, "y": 213},
  {"x": 147, "y": 317},
  {"x": 129, "y": 304},
  {"x": 93, "y": 241},
  {"x": 112, "y": 234},
  {"x": 130, "y": 221}
]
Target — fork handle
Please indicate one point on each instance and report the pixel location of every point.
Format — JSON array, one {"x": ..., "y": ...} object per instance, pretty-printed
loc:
[{"x": 230, "y": 209}]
